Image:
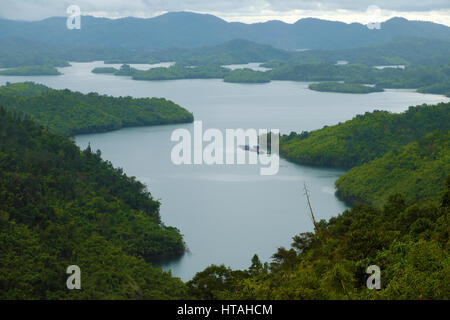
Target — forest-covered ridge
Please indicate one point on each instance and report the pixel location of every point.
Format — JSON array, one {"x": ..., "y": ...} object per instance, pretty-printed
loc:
[
  {"x": 365, "y": 137},
  {"x": 60, "y": 206},
  {"x": 343, "y": 87},
  {"x": 31, "y": 71},
  {"x": 417, "y": 171},
  {"x": 69, "y": 113}
]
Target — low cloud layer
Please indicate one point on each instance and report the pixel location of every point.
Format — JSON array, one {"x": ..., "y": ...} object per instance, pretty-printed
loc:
[{"x": 237, "y": 10}]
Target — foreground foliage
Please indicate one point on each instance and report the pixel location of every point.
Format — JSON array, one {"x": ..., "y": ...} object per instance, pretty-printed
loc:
[
  {"x": 409, "y": 241},
  {"x": 61, "y": 207}
]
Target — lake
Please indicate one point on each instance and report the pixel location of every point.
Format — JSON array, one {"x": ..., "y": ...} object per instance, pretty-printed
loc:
[{"x": 227, "y": 213}]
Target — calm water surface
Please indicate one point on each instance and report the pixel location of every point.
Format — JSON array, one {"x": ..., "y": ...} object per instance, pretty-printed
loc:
[{"x": 227, "y": 213}]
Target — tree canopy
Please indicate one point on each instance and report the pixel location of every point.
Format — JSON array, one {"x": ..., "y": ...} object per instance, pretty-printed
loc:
[
  {"x": 69, "y": 113},
  {"x": 60, "y": 206}
]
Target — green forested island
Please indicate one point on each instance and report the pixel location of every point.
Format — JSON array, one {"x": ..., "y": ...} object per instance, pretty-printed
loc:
[
  {"x": 60, "y": 206},
  {"x": 179, "y": 71},
  {"x": 104, "y": 70},
  {"x": 343, "y": 87},
  {"x": 71, "y": 113},
  {"x": 247, "y": 76},
  {"x": 31, "y": 71}
]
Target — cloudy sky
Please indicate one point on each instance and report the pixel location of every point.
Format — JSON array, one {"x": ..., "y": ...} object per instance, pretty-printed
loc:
[{"x": 247, "y": 11}]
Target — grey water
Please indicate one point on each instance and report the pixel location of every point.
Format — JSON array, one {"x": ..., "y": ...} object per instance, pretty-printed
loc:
[{"x": 227, "y": 213}]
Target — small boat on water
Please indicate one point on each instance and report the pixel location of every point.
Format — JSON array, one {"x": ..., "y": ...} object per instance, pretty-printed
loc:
[{"x": 253, "y": 149}]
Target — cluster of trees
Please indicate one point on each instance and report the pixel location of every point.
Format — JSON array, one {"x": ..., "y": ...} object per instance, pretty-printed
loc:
[
  {"x": 343, "y": 87},
  {"x": 31, "y": 71},
  {"x": 71, "y": 113},
  {"x": 408, "y": 241},
  {"x": 60, "y": 206},
  {"x": 237, "y": 51}
]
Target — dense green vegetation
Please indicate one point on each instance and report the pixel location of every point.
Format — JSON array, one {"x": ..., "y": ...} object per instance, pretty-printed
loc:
[
  {"x": 409, "y": 241},
  {"x": 104, "y": 70},
  {"x": 71, "y": 113},
  {"x": 343, "y": 87},
  {"x": 247, "y": 76},
  {"x": 31, "y": 71},
  {"x": 416, "y": 170},
  {"x": 60, "y": 206},
  {"x": 23, "y": 89},
  {"x": 365, "y": 137}
]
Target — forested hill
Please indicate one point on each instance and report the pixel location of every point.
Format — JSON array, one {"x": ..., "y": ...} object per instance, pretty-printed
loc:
[
  {"x": 70, "y": 113},
  {"x": 60, "y": 206},
  {"x": 416, "y": 170},
  {"x": 365, "y": 137}
]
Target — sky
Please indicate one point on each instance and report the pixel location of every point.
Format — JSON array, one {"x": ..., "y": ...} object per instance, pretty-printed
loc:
[{"x": 247, "y": 11}]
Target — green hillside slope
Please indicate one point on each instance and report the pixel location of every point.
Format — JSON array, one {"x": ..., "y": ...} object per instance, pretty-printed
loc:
[
  {"x": 70, "y": 113},
  {"x": 365, "y": 137},
  {"x": 416, "y": 170},
  {"x": 60, "y": 207}
]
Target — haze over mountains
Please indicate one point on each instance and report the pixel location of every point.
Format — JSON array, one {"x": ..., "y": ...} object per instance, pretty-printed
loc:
[{"x": 190, "y": 30}]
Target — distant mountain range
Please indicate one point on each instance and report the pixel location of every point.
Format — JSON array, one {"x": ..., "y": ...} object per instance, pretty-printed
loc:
[{"x": 190, "y": 30}]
